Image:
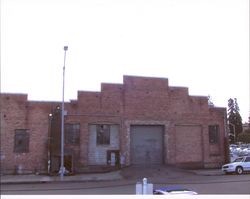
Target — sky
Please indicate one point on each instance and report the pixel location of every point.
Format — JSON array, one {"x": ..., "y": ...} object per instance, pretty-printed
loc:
[{"x": 199, "y": 44}]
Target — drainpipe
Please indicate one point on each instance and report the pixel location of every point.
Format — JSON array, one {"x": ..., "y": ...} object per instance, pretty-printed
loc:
[
  {"x": 49, "y": 143},
  {"x": 226, "y": 144}
]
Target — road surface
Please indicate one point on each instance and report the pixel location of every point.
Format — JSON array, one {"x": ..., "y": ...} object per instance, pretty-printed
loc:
[{"x": 223, "y": 184}]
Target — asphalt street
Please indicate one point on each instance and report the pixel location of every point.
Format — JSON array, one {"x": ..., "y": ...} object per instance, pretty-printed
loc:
[{"x": 213, "y": 184}]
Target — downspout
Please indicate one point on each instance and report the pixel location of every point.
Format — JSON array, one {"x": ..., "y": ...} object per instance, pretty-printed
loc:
[
  {"x": 226, "y": 141},
  {"x": 49, "y": 144}
]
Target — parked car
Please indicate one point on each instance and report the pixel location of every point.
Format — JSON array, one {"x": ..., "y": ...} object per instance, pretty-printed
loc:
[
  {"x": 240, "y": 165},
  {"x": 246, "y": 151},
  {"x": 233, "y": 145},
  {"x": 175, "y": 190},
  {"x": 233, "y": 157}
]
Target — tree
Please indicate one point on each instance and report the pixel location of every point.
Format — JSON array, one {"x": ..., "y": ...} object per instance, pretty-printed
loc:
[
  {"x": 234, "y": 120},
  {"x": 210, "y": 102},
  {"x": 244, "y": 137},
  {"x": 249, "y": 122}
]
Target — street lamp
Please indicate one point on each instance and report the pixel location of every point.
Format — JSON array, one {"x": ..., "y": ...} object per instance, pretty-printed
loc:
[{"x": 62, "y": 168}]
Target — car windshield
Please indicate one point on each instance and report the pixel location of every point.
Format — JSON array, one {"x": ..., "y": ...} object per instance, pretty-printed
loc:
[{"x": 238, "y": 160}]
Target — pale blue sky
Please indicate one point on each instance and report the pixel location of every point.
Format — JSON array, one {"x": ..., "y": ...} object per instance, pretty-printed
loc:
[{"x": 199, "y": 44}]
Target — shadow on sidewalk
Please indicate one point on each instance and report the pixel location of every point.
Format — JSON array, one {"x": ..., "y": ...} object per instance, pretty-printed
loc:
[{"x": 152, "y": 172}]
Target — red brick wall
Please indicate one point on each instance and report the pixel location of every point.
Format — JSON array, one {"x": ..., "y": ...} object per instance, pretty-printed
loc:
[
  {"x": 18, "y": 113},
  {"x": 139, "y": 100},
  {"x": 13, "y": 116}
]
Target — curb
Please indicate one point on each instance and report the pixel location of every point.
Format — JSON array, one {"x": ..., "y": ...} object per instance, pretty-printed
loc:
[
  {"x": 56, "y": 181},
  {"x": 117, "y": 176},
  {"x": 29, "y": 179},
  {"x": 208, "y": 173}
]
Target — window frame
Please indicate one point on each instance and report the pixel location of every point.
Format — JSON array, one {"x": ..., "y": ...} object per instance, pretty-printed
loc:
[
  {"x": 72, "y": 134},
  {"x": 21, "y": 141},
  {"x": 247, "y": 159},
  {"x": 213, "y": 135},
  {"x": 103, "y": 134}
]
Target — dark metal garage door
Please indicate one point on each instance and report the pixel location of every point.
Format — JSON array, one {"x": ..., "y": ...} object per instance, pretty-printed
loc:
[{"x": 146, "y": 144}]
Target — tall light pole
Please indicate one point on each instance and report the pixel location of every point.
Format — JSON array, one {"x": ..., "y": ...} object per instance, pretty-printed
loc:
[{"x": 62, "y": 168}]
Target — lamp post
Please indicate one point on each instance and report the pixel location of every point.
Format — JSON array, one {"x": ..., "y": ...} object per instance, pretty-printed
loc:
[{"x": 62, "y": 168}]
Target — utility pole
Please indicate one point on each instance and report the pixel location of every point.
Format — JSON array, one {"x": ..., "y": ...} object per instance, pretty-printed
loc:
[{"x": 62, "y": 168}]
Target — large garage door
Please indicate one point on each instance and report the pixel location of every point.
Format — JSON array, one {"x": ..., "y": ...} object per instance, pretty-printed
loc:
[{"x": 146, "y": 145}]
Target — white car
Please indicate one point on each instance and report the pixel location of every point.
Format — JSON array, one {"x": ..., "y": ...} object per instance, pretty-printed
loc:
[
  {"x": 233, "y": 157},
  {"x": 240, "y": 165},
  {"x": 246, "y": 151},
  {"x": 175, "y": 190}
]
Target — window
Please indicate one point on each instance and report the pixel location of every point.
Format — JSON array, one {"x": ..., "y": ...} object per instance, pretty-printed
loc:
[
  {"x": 72, "y": 133},
  {"x": 247, "y": 159},
  {"x": 21, "y": 144},
  {"x": 103, "y": 134},
  {"x": 213, "y": 134},
  {"x": 238, "y": 160}
]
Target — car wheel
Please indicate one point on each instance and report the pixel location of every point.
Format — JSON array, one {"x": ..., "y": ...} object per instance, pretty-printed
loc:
[{"x": 239, "y": 170}]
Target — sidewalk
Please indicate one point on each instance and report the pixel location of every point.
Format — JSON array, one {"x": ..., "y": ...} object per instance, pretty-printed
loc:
[
  {"x": 126, "y": 174},
  {"x": 32, "y": 178},
  {"x": 208, "y": 172}
]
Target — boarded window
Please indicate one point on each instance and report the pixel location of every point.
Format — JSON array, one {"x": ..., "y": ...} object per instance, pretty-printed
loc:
[
  {"x": 21, "y": 144},
  {"x": 72, "y": 133},
  {"x": 103, "y": 135},
  {"x": 213, "y": 134}
]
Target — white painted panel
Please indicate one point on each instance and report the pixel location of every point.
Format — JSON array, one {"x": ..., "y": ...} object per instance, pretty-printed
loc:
[{"x": 98, "y": 153}]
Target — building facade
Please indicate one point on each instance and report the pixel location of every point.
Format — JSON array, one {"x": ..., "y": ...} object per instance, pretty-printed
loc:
[{"x": 143, "y": 121}]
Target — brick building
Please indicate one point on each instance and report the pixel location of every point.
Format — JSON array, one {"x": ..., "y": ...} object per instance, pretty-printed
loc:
[{"x": 143, "y": 121}]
